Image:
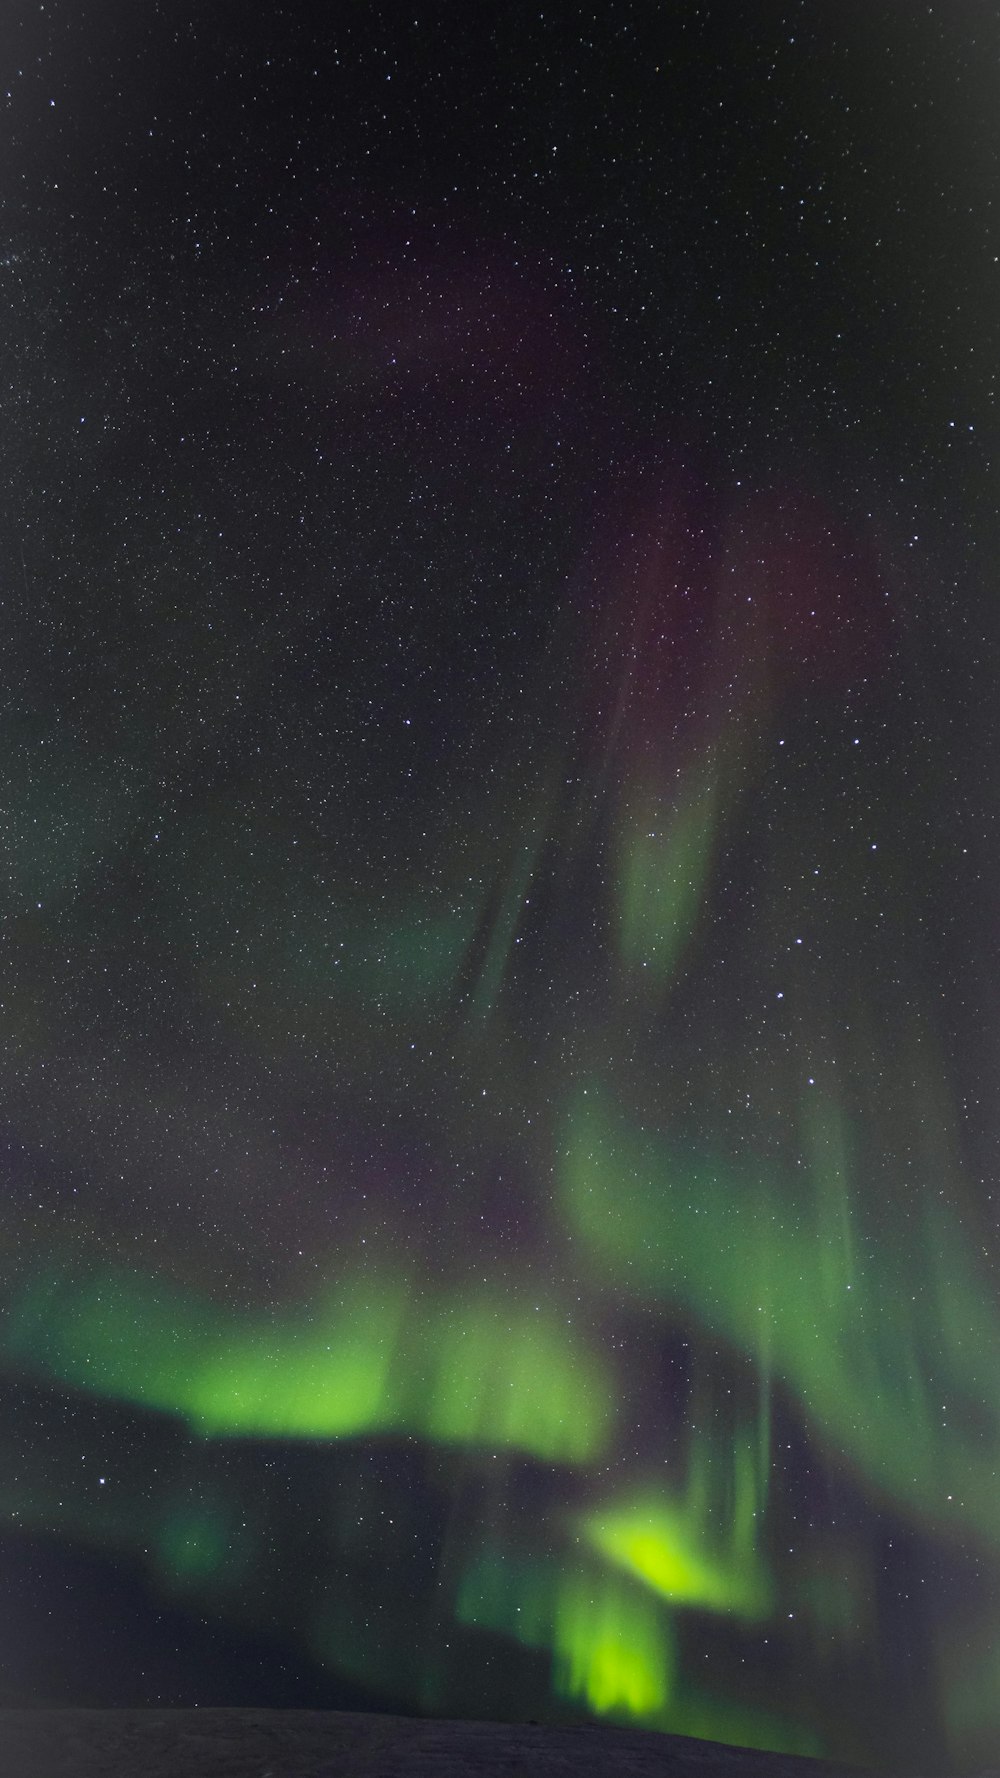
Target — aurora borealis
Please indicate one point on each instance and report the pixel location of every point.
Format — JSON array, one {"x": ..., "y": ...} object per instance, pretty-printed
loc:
[{"x": 499, "y": 1003}]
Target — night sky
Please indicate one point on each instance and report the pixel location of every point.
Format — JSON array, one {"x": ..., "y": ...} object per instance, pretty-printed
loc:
[{"x": 500, "y": 1009}]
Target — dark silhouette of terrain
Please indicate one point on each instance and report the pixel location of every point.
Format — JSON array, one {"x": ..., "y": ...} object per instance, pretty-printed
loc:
[{"x": 238, "y": 1743}]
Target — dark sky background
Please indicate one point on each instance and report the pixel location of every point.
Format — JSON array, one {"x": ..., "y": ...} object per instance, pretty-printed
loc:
[{"x": 499, "y": 939}]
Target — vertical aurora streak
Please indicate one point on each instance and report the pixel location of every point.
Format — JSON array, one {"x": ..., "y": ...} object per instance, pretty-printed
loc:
[
  {"x": 779, "y": 1265},
  {"x": 498, "y": 955}
]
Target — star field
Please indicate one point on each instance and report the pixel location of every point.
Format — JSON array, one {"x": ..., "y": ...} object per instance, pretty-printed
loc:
[{"x": 500, "y": 1208}]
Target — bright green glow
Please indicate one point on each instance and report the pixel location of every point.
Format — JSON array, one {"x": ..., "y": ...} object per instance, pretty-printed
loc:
[
  {"x": 333, "y": 1382},
  {"x": 785, "y": 1277},
  {"x": 127, "y": 1339},
  {"x": 665, "y": 857},
  {"x": 373, "y": 1356},
  {"x": 612, "y": 1646},
  {"x": 658, "y": 1544},
  {"x": 700, "y": 1550}
]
